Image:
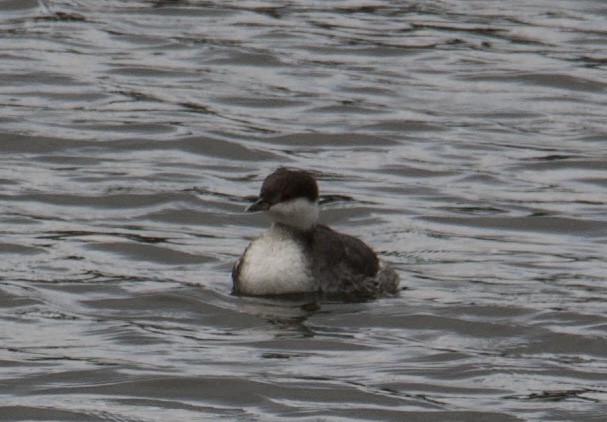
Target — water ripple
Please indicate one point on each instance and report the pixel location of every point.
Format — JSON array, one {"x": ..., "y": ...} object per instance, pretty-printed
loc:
[{"x": 463, "y": 139}]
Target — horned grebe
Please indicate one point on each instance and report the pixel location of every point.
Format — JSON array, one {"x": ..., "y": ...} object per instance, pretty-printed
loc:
[{"x": 298, "y": 255}]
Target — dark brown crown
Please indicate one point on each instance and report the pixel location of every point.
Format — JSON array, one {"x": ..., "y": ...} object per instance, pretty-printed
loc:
[{"x": 285, "y": 184}]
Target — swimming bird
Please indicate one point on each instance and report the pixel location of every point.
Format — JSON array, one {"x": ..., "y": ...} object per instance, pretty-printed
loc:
[{"x": 299, "y": 255}]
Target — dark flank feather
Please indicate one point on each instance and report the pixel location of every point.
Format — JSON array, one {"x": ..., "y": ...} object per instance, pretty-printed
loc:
[{"x": 344, "y": 264}]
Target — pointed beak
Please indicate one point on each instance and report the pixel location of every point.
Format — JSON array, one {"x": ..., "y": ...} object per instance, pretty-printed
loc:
[{"x": 259, "y": 205}]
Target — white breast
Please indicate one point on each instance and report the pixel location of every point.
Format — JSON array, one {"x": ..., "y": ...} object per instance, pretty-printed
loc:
[{"x": 274, "y": 264}]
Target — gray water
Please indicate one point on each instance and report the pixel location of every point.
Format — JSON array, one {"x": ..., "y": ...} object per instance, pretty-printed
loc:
[{"x": 465, "y": 140}]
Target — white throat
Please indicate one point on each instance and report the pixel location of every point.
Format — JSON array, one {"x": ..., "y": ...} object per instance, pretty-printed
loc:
[{"x": 299, "y": 213}]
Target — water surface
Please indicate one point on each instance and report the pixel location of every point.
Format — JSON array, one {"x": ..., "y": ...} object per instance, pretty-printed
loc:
[{"x": 464, "y": 140}]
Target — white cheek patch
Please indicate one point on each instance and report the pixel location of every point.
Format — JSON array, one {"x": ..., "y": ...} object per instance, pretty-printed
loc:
[{"x": 299, "y": 213}]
